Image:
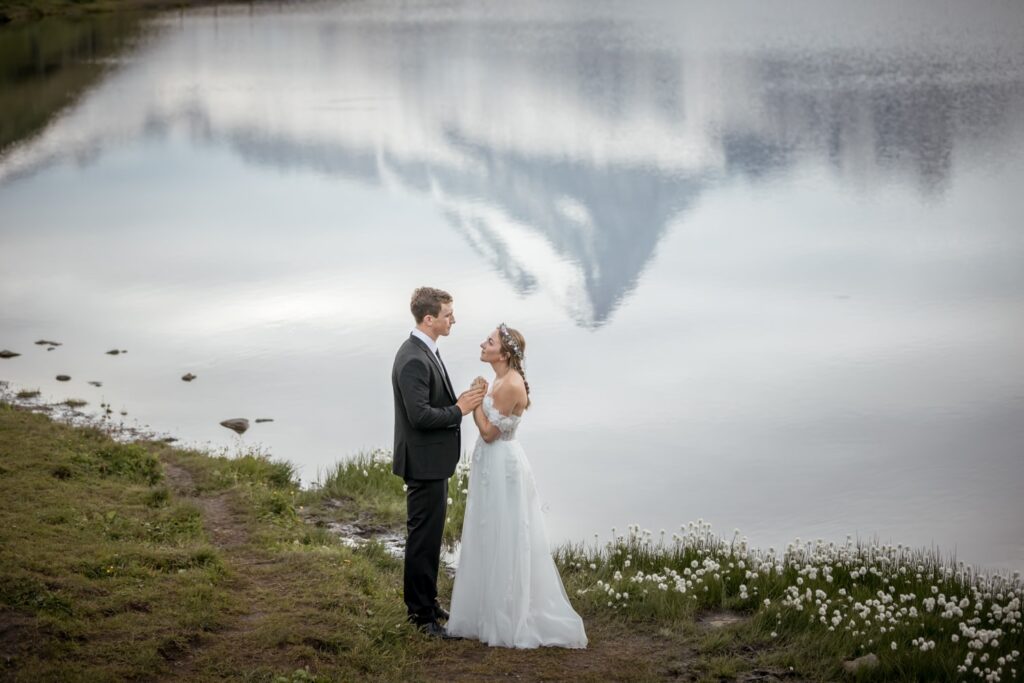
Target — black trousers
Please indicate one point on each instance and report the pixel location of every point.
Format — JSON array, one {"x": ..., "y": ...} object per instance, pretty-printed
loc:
[{"x": 426, "y": 505}]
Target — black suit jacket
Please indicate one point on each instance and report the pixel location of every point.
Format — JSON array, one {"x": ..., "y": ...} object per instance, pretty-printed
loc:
[{"x": 427, "y": 421}]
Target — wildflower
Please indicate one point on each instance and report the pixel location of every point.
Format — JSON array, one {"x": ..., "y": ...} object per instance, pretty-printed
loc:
[
  {"x": 893, "y": 645},
  {"x": 450, "y": 501}
]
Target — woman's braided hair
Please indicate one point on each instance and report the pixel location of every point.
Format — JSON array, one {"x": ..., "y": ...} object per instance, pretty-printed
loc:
[{"x": 513, "y": 345}]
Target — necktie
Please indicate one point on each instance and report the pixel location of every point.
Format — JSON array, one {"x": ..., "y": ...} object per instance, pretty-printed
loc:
[{"x": 447, "y": 379}]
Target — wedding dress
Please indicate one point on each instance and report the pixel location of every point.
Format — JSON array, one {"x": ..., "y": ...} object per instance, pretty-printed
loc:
[{"x": 507, "y": 589}]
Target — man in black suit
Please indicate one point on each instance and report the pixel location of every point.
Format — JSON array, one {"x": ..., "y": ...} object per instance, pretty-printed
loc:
[{"x": 427, "y": 447}]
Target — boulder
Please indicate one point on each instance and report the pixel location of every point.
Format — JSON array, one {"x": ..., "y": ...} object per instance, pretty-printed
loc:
[
  {"x": 47, "y": 342},
  {"x": 868, "y": 661},
  {"x": 236, "y": 424},
  {"x": 8, "y": 354},
  {"x": 113, "y": 352},
  {"x": 95, "y": 383},
  {"x": 188, "y": 377},
  {"x": 63, "y": 378},
  {"x": 264, "y": 419}
]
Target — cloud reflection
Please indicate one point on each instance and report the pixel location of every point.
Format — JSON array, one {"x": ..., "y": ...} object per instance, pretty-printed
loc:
[{"x": 560, "y": 158}]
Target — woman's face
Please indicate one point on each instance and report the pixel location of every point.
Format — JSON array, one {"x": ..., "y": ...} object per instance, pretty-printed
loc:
[{"x": 490, "y": 348}]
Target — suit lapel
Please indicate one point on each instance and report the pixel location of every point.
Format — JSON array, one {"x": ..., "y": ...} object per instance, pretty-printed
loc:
[{"x": 437, "y": 364}]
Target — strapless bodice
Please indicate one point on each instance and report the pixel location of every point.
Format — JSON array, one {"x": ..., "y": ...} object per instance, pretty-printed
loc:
[{"x": 507, "y": 424}]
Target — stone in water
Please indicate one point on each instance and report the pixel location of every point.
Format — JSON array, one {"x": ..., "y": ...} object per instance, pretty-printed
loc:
[
  {"x": 63, "y": 378},
  {"x": 188, "y": 377},
  {"x": 8, "y": 354},
  {"x": 237, "y": 424}
]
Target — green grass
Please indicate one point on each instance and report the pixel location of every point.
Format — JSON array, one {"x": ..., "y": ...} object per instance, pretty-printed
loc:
[
  {"x": 108, "y": 574},
  {"x": 88, "y": 566},
  {"x": 362, "y": 487},
  {"x": 115, "y": 567}
]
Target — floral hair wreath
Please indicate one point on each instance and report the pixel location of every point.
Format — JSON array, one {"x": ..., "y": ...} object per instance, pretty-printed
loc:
[{"x": 510, "y": 341}]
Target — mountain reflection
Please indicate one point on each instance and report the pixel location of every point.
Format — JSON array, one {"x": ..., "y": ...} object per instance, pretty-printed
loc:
[{"x": 563, "y": 169}]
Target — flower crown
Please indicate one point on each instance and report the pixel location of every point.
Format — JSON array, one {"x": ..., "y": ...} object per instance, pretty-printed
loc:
[{"x": 510, "y": 341}]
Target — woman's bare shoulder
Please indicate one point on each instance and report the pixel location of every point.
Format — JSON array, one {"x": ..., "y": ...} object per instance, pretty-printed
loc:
[{"x": 512, "y": 386}]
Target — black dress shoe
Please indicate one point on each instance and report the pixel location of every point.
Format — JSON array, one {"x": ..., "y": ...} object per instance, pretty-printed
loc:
[
  {"x": 440, "y": 613},
  {"x": 435, "y": 630}
]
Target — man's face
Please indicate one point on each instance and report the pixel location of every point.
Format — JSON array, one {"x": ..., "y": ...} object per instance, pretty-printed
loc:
[{"x": 442, "y": 324}]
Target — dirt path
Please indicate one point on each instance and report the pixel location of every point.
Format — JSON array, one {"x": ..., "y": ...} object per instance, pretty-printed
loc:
[
  {"x": 229, "y": 533},
  {"x": 226, "y": 529},
  {"x": 618, "y": 651}
]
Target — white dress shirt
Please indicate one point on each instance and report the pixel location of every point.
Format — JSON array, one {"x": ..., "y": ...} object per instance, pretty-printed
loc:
[{"x": 425, "y": 338}]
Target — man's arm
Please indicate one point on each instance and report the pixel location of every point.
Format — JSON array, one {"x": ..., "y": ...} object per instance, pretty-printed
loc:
[{"x": 414, "y": 385}]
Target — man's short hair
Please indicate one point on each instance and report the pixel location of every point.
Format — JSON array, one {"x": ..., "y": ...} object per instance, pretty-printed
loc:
[{"x": 427, "y": 301}]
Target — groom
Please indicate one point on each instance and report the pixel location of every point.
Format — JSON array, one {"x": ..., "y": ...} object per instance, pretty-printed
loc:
[{"x": 427, "y": 447}]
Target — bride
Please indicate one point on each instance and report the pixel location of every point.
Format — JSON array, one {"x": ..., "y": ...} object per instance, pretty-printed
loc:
[{"x": 507, "y": 590}]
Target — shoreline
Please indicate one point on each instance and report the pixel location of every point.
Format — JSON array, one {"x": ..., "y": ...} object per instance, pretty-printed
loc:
[
  {"x": 15, "y": 13},
  {"x": 354, "y": 534},
  {"x": 694, "y": 605}
]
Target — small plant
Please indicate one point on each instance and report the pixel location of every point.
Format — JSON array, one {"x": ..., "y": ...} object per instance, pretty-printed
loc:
[{"x": 158, "y": 496}]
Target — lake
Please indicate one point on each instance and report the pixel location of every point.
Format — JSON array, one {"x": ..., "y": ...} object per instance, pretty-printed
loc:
[{"x": 768, "y": 257}]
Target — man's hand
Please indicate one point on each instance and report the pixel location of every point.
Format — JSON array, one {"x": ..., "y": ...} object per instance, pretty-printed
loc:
[{"x": 470, "y": 399}]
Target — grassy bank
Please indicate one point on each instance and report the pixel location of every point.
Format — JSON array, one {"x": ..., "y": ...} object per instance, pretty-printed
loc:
[
  {"x": 21, "y": 11},
  {"x": 140, "y": 561}
]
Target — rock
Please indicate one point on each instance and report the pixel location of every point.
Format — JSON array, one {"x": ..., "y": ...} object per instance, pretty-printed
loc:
[
  {"x": 95, "y": 383},
  {"x": 63, "y": 378},
  {"x": 50, "y": 348},
  {"x": 169, "y": 439},
  {"x": 46, "y": 342},
  {"x": 718, "y": 620},
  {"x": 868, "y": 661},
  {"x": 264, "y": 419},
  {"x": 8, "y": 354},
  {"x": 113, "y": 352},
  {"x": 237, "y": 424},
  {"x": 188, "y": 377}
]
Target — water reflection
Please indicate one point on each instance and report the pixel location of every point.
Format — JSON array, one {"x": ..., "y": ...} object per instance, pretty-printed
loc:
[
  {"x": 792, "y": 244},
  {"x": 562, "y": 166},
  {"x": 46, "y": 65}
]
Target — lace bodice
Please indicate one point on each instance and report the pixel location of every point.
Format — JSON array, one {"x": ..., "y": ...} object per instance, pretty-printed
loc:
[{"x": 508, "y": 424}]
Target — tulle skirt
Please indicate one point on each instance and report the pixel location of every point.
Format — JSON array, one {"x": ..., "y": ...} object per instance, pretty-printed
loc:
[{"x": 507, "y": 589}]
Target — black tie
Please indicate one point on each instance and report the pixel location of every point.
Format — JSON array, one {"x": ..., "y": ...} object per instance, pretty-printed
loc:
[{"x": 447, "y": 379}]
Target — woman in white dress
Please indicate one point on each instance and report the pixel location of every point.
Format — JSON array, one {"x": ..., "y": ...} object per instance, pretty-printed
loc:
[{"x": 507, "y": 589}]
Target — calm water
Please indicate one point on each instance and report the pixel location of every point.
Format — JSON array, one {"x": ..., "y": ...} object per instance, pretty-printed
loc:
[{"x": 768, "y": 259}]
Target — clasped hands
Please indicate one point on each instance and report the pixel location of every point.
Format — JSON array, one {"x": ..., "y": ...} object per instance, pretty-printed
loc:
[{"x": 472, "y": 397}]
